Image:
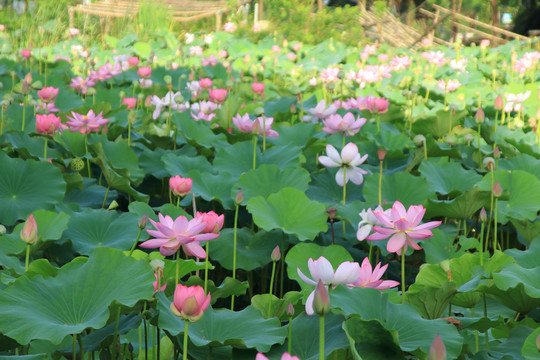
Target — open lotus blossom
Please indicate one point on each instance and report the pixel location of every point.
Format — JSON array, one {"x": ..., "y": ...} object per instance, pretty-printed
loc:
[
  {"x": 213, "y": 221},
  {"x": 371, "y": 278},
  {"x": 321, "y": 270},
  {"x": 189, "y": 302},
  {"x": 513, "y": 101},
  {"x": 285, "y": 356},
  {"x": 229, "y": 27},
  {"x": 171, "y": 234},
  {"x": 209, "y": 61},
  {"x": 82, "y": 85},
  {"x": 329, "y": 74},
  {"x": 258, "y": 88},
  {"x": 262, "y": 126},
  {"x": 206, "y": 83},
  {"x": 347, "y": 161},
  {"x": 169, "y": 100},
  {"x": 365, "y": 226},
  {"x": 378, "y": 105},
  {"x": 448, "y": 86},
  {"x": 49, "y": 124},
  {"x": 400, "y": 62},
  {"x": 144, "y": 72},
  {"x": 459, "y": 65},
  {"x": 204, "y": 110},
  {"x": 195, "y": 51},
  {"x": 435, "y": 57},
  {"x": 217, "y": 95},
  {"x": 130, "y": 103},
  {"x": 403, "y": 227},
  {"x": 85, "y": 124},
  {"x": 48, "y": 94},
  {"x": 320, "y": 112},
  {"x": 195, "y": 88},
  {"x": 348, "y": 124}
]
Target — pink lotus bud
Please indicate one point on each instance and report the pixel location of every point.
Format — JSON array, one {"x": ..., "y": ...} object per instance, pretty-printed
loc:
[
  {"x": 496, "y": 152},
  {"x": 290, "y": 310},
  {"x": 497, "y": 189},
  {"x": 223, "y": 54},
  {"x": 73, "y": 32},
  {"x": 48, "y": 94},
  {"x": 213, "y": 221},
  {"x": 148, "y": 101},
  {"x": 48, "y": 124},
  {"x": 379, "y": 105},
  {"x": 291, "y": 56},
  {"x": 483, "y": 215},
  {"x": 144, "y": 72},
  {"x": 26, "y": 53},
  {"x": 180, "y": 186},
  {"x": 189, "y": 302},
  {"x": 313, "y": 81},
  {"x": 218, "y": 95},
  {"x": 381, "y": 153},
  {"x": 174, "y": 66},
  {"x": 130, "y": 103},
  {"x": 2, "y": 27},
  {"x": 142, "y": 222},
  {"x": 205, "y": 83},
  {"x": 29, "y": 231},
  {"x": 239, "y": 197},
  {"x": 133, "y": 61},
  {"x": 437, "y": 351},
  {"x": 479, "y": 116},
  {"x": 258, "y": 88},
  {"x": 499, "y": 104},
  {"x": 275, "y": 49},
  {"x": 321, "y": 300},
  {"x": 296, "y": 47},
  {"x": 28, "y": 78},
  {"x": 484, "y": 43},
  {"x": 276, "y": 254}
]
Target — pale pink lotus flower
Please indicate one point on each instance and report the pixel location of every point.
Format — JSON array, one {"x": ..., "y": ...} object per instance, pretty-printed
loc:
[
  {"x": 313, "y": 81},
  {"x": 229, "y": 27},
  {"x": 133, "y": 61},
  {"x": 208, "y": 38},
  {"x": 365, "y": 226},
  {"x": 348, "y": 160},
  {"x": 370, "y": 49},
  {"x": 171, "y": 234},
  {"x": 205, "y": 83},
  {"x": 145, "y": 83},
  {"x": 378, "y": 105},
  {"x": 85, "y": 124},
  {"x": 258, "y": 88},
  {"x": 217, "y": 95},
  {"x": 460, "y": 65},
  {"x": 321, "y": 270},
  {"x": 371, "y": 278},
  {"x": 320, "y": 112},
  {"x": 484, "y": 43},
  {"x": 156, "y": 284},
  {"x": 189, "y": 302},
  {"x": 2, "y": 27},
  {"x": 73, "y": 32},
  {"x": 180, "y": 186},
  {"x": 223, "y": 54},
  {"x": 189, "y": 38},
  {"x": 81, "y": 84},
  {"x": 291, "y": 56},
  {"x": 213, "y": 221},
  {"x": 144, "y": 72},
  {"x": 382, "y": 57},
  {"x": 174, "y": 65},
  {"x": 435, "y": 57},
  {"x": 195, "y": 51},
  {"x": 275, "y": 49},
  {"x": 130, "y": 103},
  {"x": 514, "y": 101},
  {"x": 49, "y": 124},
  {"x": 329, "y": 74},
  {"x": 169, "y": 100},
  {"x": 48, "y": 93},
  {"x": 47, "y": 108},
  {"x": 448, "y": 86},
  {"x": 426, "y": 42},
  {"x": 26, "y": 53},
  {"x": 195, "y": 88},
  {"x": 105, "y": 72},
  {"x": 400, "y": 62},
  {"x": 348, "y": 124},
  {"x": 284, "y": 356},
  {"x": 246, "y": 125},
  {"x": 204, "y": 110},
  {"x": 437, "y": 350},
  {"x": 296, "y": 47},
  {"x": 209, "y": 61},
  {"x": 403, "y": 226}
]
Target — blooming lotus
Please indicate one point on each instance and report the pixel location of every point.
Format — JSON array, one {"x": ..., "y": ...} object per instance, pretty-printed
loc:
[
  {"x": 213, "y": 221},
  {"x": 144, "y": 72},
  {"x": 168, "y": 101},
  {"x": 459, "y": 65},
  {"x": 217, "y": 95},
  {"x": 48, "y": 94},
  {"x": 85, "y": 124},
  {"x": 371, "y": 278},
  {"x": 348, "y": 124},
  {"x": 329, "y": 74},
  {"x": 284, "y": 356},
  {"x": 321, "y": 270},
  {"x": 81, "y": 84},
  {"x": 189, "y": 302},
  {"x": 403, "y": 227},
  {"x": 262, "y": 126},
  {"x": 130, "y": 103},
  {"x": 133, "y": 61},
  {"x": 209, "y": 61},
  {"x": 195, "y": 51},
  {"x": 435, "y": 57},
  {"x": 365, "y": 226},
  {"x": 513, "y": 101},
  {"x": 204, "y": 110},
  {"x": 171, "y": 234},
  {"x": 400, "y": 62},
  {"x": 229, "y": 27},
  {"x": 206, "y": 83},
  {"x": 347, "y": 161},
  {"x": 48, "y": 124},
  {"x": 448, "y": 86},
  {"x": 320, "y": 112},
  {"x": 258, "y": 88}
]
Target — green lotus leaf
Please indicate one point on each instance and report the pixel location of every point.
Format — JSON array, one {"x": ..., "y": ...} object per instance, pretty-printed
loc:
[
  {"x": 520, "y": 287},
  {"x": 282, "y": 105},
  {"x": 527, "y": 259},
  {"x": 92, "y": 228},
  {"x": 285, "y": 157},
  {"x": 210, "y": 187},
  {"x": 198, "y": 133},
  {"x": 50, "y": 224},
  {"x": 182, "y": 164},
  {"x": 530, "y": 348},
  {"x": 521, "y": 162},
  {"x": 120, "y": 157},
  {"x": 431, "y": 302},
  {"x": 68, "y": 100},
  {"x": 391, "y": 140},
  {"x": 139, "y": 209},
  {"x": 236, "y": 159},
  {"x": 323, "y": 188},
  {"x": 76, "y": 299},
  {"x": 447, "y": 177},
  {"x": 268, "y": 179},
  {"x": 298, "y": 134},
  {"x": 28, "y": 147},
  {"x": 439, "y": 124},
  {"x": 413, "y": 333},
  {"x": 228, "y": 287},
  {"x": 91, "y": 195},
  {"x": 527, "y": 229},
  {"x": 464, "y": 206},
  {"x": 28, "y": 185},
  {"x": 402, "y": 186},
  {"x": 278, "y": 307},
  {"x": 142, "y": 49},
  {"x": 290, "y": 211}
]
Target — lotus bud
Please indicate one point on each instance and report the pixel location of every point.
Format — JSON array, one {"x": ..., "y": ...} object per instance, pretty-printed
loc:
[
  {"x": 483, "y": 215},
  {"x": 140, "y": 97},
  {"x": 499, "y": 104},
  {"x": 290, "y": 310},
  {"x": 331, "y": 213},
  {"x": 29, "y": 231},
  {"x": 321, "y": 300},
  {"x": 113, "y": 205},
  {"x": 496, "y": 152},
  {"x": 497, "y": 189},
  {"x": 419, "y": 140},
  {"x": 157, "y": 264},
  {"x": 2, "y": 230},
  {"x": 437, "y": 351},
  {"x": 479, "y": 116},
  {"x": 167, "y": 79},
  {"x": 90, "y": 91},
  {"x": 381, "y": 153},
  {"x": 489, "y": 163},
  {"x": 239, "y": 197},
  {"x": 276, "y": 254},
  {"x": 142, "y": 222}
]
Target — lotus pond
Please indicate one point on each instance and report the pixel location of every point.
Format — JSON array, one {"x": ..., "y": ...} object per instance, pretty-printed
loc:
[{"x": 211, "y": 198}]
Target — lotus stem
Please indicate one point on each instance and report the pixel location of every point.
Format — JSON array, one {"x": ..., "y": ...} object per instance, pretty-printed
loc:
[
  {"x": 403, "y": 275},
  {"x": 27, "y": 258},
  {"x": 289, "y": 338},
  {"x": 254, "y": 151},
  {"x": 344, "y": 197},
  {"x": 503, "y": 115},
  {"x": 23, "y": 113},
  {"x": 378, "y": 117},
  {"x": 135, "y": 243},
  {"x": 2, "y": 122},
  {"x": 116, "y": 342},
  {"x": 380, "y": 182},
  {"x": 482, "y": 244},
  {"x": 485, "y": 315},
  {"x": 496, "y": 120},
  {"x": 177, "y": 266},
  {"x": 495, "y": 226},
  {"x": 283, "y": 264},
  {"x": 140, "y": 340},
  {"x": 479, "y": 151},
  {"x": 45, "y": 149},
  {"x": 184, "y": 350},
  {"x": 490, "y": 208},
  {"x": 321, "y": 337},
  {"x": 264, "y": 133},
  {"x": 206, "y": 267},
  {"x": 234, "y": 251},
  {"x": 105, "y": 198},
  {"x": 129, "y": 132},
  {"x": 158, "y": 347},
  {"x": 74, "y": 347},
  {"x": 476, "y": 341},
  {"x": 86, "y": 152},
  {"x": 425, "y": 151},
  {"x": 271, "y": 292},
  {"x": 145, "y": 335}
]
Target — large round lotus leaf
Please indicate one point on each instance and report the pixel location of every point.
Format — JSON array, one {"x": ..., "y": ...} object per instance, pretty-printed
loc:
[
  {"x": 464, "y": 206},
  {"x": 242, "y": 329},
  {"x": 77, "y": 298},
  {"x": 530, "y": 347},
  {"x": 523, "y": 190},
  {"x": 94, "y": 228},
  {"x": 27, "y": 185},
  {"x": 198, "y": 132},
  {"x": 210, "y": 187},
  {"x": 448, "y": 177},
  {"x": 236, "y": 159},
  {"x": 324, "y": 188},
  {"x": 402, "y": 186},
  {"x": 50, "y": 224},
  {"x": 520, "y": 287},
  {"x": 298, "y": 256},
  {"x": 290, "y": 211},
  {"x": 521, "y": 162},
  {"x": 414, "y": 333},
  {"x": 268, "y": 179},
  {"x": 181, "y": 164},
  {"x": 527, "y": 258}
]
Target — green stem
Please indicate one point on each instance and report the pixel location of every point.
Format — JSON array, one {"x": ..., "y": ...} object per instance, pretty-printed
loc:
[
  {"x": 23, "y": 113},
  {"x": 477, "y": 345},
  {"x": 105, "y": 198},
  {"x": 135, "y": 243},
  {"x": 129, "y": 133},
  {"x": 496, "y": 120},
  {"x": 321, "y": 337},
  {"x": 116, "y": 342},
  {"x": 86, "y": 152},
  {"x": 177, "y": 266},
  {"x": 378, "y": 122},
  {"x": 27, "y": 258},
  {"x": 343, "y": 140},
  {"x": 370, "y": 251},
  {"x": 289, "y": 338},
  {"x": 74, "y": 348},
  {"x": 264, "y": 133},
  {"x": 2, "y": 122},
  {"x": 45, "y": 149},
  {"x": 184, "y": 350},
  {"x": 140, "y": 340},
  {"x": 403, "y": 275},
  {"x": 425, "y": 150},
  {"x": 380, "y": 183},
  {"x": 479, "y": 151},
  {"x": 490, "y": 209},
  {"x": 271, "y": 292},
  {"x": 234, "y": 251},
  {"x": 485, "y": 315},
  {"x": 254, "y": 151},
  {"x": 495, "y": 226},
  {"x": 482, "y": 244},
  {"x": 344, "y": 197},
  {"x": 206, "y": 266}
]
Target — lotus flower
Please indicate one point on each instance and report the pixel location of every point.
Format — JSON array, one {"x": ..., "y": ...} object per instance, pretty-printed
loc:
[
  {"x": 204, "y": 110},
  {"x": 29, "y": 232},
  {"x": 368, "y": 221},
  {"x": 189, "y": 302},
  {"x": 133, "y": 61},
  {"x": 48, "y": 94},
  {"x": 49, "y": 124},
  {"x": 349, "y": 160},
  {"x": 285, "y": 356},
  {"x": 213, "y": 221},
  {"x": 171, "y": 234},
  {"x": 258, "y": 88},
  {"x": 206, "y": 83},
  {"x": 217, "y": 95},
  {"x": 403, "y": 227},
  {"x": 26, "y": 53},
  {"x": 448, "y": 86},
  {"x": 130, "y": 103},
  {"x": 85, "y": 124},
  {"x": 321, "y": 270},
  {"x": 372, "y": 278},
  {"x": 320, "y": 112},
  {"x": 347, "y": 124},
  {"x": 246, "y": 125},
  {"x": 229, "y": 27},
  {"x": 144, "y": 72},
  {"x": 81, "y": 84},
  {"x": 437, "y": 350},
  {"x": 156, "y": 284},
  {"x": 180, "y": 186}
]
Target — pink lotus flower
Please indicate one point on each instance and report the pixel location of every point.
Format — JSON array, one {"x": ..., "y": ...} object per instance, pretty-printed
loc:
[
  {"x": 291, "y": 56},
  {"x": 275, "y": 48},
  {"x": 378, "y": 105},
  {"x": 81, "y": 84},
  {"x": 285, "y": 356},
  {"x": 348, "y": 160},
  {"x": 29, "y": 232},
  {"x": 73, "y": 32},
  {"x": 206, "y": 84},
  {"x": 213, "y": 221},
  {"x": 133, "y": 61},
  {"x": 372, "y": 278},
  {"x": 217, "y": 95},
  {"x": 156, "y": 284},
  {"x": 170, "y": 235},
  {"x": 437, "y": 350},
  {"x": 130, "y": 103},
  {"x": 435, "y": 57},
  {"x": 85, "y": 124},
  {"x": 365, "y": 226},
  {"x": 449, "y": 86},
  {"x": 459, "y": 65},
  {"x": 246, "y": 125},
  {"x": 189, "y": 302},
  {"x": 329, "y": 74},
  {"x": 48, "y": 94},
  {"x": 258, "y": 88},
  {"x": 47, "y": 108},
  {"x": 209, "y": 61},
  {"x": 229, "y": 27},
  {"x": 382, "y": 57},
  {"x": 204, "y": 110},
  {"x": 2, "y": 27},
  {"x": 223, "y": 54},
  {"x": 195, "y": 51},
  {"x": 403, "y": 227},
  {"x": 484, "y": 43},
  {"x": 26, "y": 53},
  {"x": 400, "y": 62},
  {"x": 180, "y": 186},
  {"x": 320, "y": 112},
  {"x": 144, "y": 72},
  {"x": 296, "y": 47},
  {"x": 321, "y": 270},
  {"x": 49, "y": 124},
  {"x": 313, "y": 81},
  {"x": 346, "y": 124}
]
